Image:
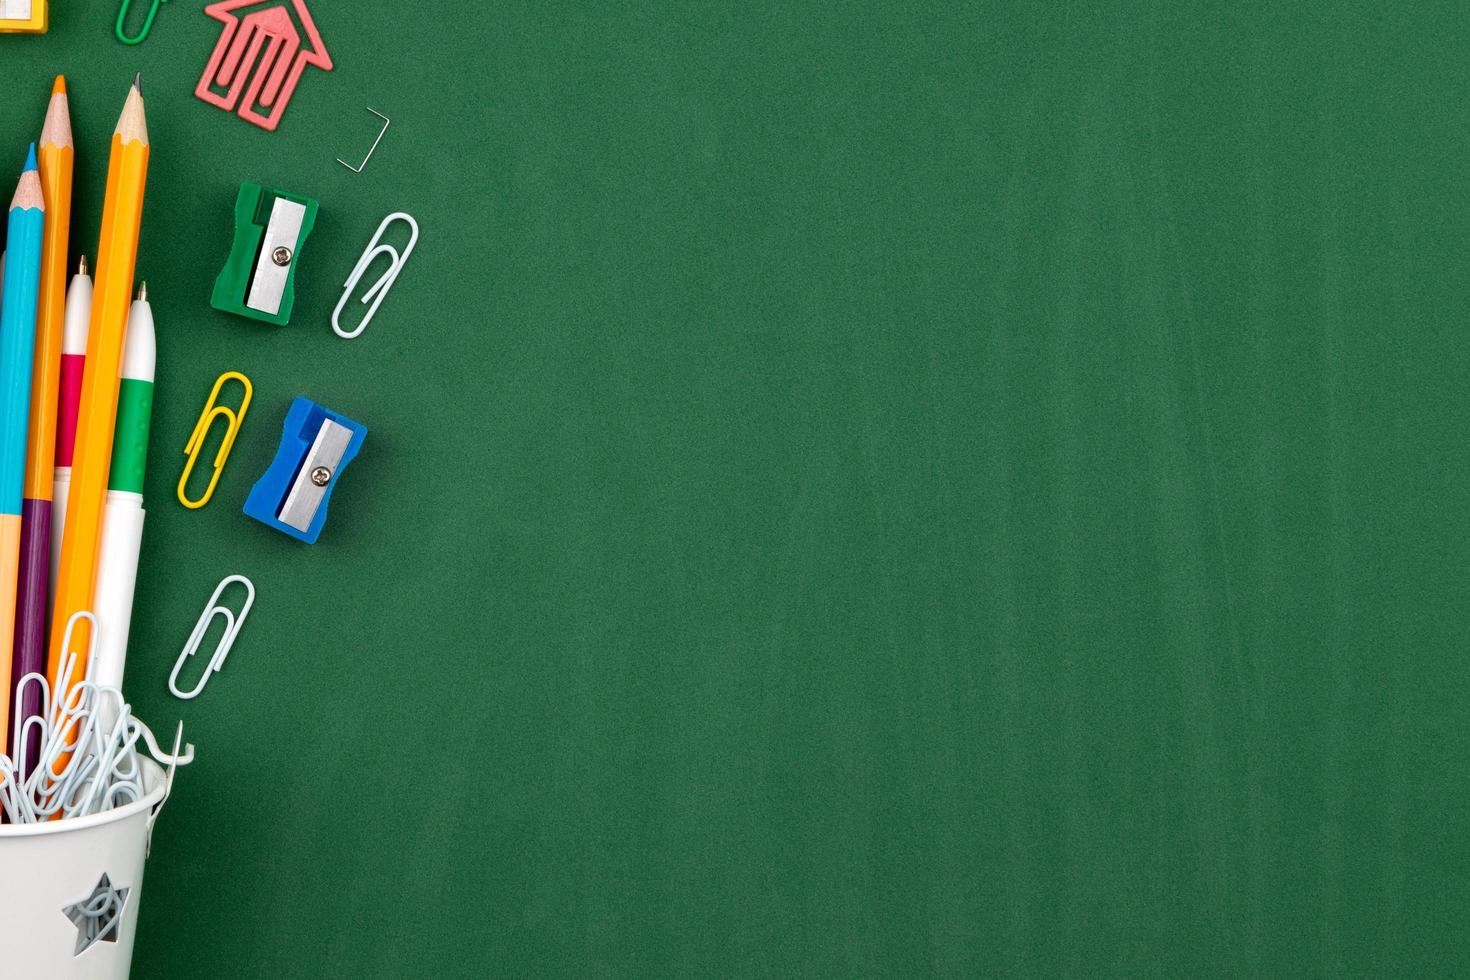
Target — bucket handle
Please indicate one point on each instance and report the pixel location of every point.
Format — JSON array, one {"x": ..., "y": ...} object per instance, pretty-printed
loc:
[{"x": 173, "y": 760}]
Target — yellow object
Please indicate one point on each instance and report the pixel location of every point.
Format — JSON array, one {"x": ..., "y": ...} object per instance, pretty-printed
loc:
[
  {"x": 56, "y": 157},
  {"x": 117, "y": 254},
  {"x": 23, "y": 16},
  {"x": 211, "y": 411}
]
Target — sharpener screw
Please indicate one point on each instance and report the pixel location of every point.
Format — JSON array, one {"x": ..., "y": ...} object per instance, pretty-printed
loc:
[
  {"x": 281, "y": 255},
  {"x": 321, "y": 476}
]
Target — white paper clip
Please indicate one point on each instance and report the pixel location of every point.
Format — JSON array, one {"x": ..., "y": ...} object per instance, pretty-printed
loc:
[
  {"x": 379, "y": 289},
  {"x": 233, "y": 622}
]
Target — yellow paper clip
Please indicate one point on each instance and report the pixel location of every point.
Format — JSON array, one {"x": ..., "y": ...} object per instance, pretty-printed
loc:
[
  {"x": 23, "y": 16},
  {"x": 122, "y": 16},
  {"x": 201, "y": 429}
]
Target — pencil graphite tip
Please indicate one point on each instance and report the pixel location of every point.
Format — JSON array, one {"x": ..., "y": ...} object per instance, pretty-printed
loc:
[
  {"x": 81, "y": 265},
  {"x": 56, "y": 130},
  {"x": 138, "y": 82},
  {"x": 132, "y": 124},
  {"x": 30, "y": 159},
  {"x": 143, "y": 291}
]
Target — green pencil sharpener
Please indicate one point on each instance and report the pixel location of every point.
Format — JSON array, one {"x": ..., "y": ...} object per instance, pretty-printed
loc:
[{"x": 258, "y": 279}]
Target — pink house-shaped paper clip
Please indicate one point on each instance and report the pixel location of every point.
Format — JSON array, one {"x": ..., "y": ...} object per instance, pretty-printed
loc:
[{"x": 260, "y": 82}]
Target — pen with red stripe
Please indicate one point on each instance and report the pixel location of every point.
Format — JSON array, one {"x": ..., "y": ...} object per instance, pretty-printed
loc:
[{"x": 73, "y": 358}]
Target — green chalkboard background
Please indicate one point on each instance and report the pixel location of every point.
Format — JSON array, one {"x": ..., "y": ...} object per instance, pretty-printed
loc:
[{"x": 852, "y": 490}]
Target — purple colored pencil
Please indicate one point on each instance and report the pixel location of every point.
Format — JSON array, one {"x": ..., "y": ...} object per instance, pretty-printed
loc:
[{"x": 32, "y": 619}]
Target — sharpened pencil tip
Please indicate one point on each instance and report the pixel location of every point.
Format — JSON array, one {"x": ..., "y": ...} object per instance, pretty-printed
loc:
[
  {"x": 30, "y": 159},
  {"x": 143, "y": 292},
  {"x": 132, "y": 123},
  {"x": 138, "y": 82},
  {"x": 28, "y": 194},
  {"x": 56, "y": 130}
]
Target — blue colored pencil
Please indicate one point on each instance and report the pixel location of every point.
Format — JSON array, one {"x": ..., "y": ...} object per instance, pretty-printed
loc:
[{"x": 18, "y": 297}]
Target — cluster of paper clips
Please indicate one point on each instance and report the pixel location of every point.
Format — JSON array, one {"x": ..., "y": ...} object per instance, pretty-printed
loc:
[
  {"x": 86, "y": 742},
  {"x": 98, "y": 916}
]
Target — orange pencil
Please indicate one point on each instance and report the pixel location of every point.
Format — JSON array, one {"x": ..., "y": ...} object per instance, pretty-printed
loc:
[
  {"x": 117, "y": 254},
  {"x": 32, "y": 608}
]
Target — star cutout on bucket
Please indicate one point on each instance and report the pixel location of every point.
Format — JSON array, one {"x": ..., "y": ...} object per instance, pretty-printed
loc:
[{"x": 98, "y": 917}]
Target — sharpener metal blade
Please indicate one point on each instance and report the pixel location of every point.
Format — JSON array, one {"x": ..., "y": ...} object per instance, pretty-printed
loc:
[
  {"x": 305, "y": 497},
  {"x": 282, "y": 231}
]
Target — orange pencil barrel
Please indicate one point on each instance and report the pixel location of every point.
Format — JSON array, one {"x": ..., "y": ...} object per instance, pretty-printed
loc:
[
  {"x": 117, "y": 253},
  {"x": 56, "y": 163}
]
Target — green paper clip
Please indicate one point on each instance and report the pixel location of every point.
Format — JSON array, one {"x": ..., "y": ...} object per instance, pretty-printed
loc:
[
  {"x": 258, "y": 280},
  {"x": 122, "y": 15}
]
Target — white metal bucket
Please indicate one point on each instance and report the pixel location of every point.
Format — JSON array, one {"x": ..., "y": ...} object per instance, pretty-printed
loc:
[{"x": 50, "y": 875}]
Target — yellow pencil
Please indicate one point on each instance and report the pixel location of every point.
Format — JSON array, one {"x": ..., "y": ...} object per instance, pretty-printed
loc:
[{"x": 117, "y": 253}]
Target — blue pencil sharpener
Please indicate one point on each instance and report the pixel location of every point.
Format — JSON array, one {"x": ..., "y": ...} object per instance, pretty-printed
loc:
[{"x": 316, "y": 447}]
